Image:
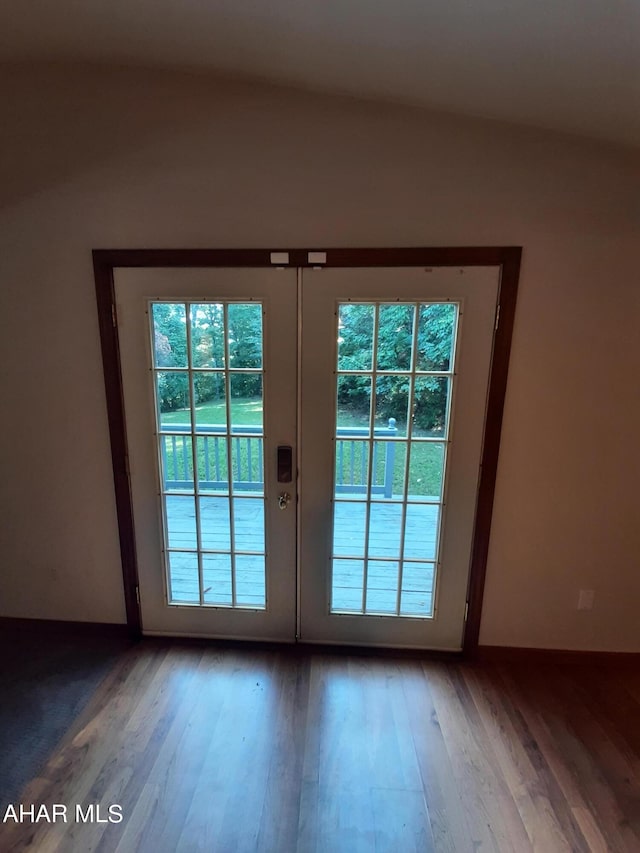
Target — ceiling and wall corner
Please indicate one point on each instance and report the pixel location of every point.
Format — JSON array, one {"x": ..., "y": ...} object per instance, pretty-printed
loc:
[
  {"x": 93, "y": 156},
  {"x": 572, "y": 66}
]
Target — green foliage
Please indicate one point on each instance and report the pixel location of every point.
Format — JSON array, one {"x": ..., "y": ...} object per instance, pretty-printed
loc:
[
  {"x": 395, "y": 332},
  {"x": 245, "y": 348},
  {"x": 208, "y": 351},
  {"x": 170, "y": 344},
  {"x": 436, "y": 323}
]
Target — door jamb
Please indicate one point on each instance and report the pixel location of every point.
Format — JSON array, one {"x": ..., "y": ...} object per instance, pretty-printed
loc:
[{"x": 508, "y": 258}]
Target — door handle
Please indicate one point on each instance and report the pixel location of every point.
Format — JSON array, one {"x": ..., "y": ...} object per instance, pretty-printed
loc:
[{"x": 283, "y": 500}]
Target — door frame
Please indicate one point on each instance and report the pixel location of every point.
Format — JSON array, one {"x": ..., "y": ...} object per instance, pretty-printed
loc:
[{"x": 507, "y": 258}]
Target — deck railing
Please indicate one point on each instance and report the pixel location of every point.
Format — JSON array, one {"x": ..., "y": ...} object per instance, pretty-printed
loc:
[{"x": 352, "y": 458}]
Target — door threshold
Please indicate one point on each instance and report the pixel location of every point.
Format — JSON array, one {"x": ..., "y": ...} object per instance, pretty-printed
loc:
[{"x": 303, "y": 647}]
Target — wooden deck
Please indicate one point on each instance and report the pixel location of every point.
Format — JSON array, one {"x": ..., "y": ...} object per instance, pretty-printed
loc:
[{"x": 348, "y": 570}]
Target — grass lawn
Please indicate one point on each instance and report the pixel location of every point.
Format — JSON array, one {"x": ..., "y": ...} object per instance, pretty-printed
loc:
[
  {"x": 425, "y": 469},
  {"x": 243, "y": 411}
]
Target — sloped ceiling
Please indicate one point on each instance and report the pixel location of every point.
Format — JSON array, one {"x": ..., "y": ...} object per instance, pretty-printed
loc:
[{"x": 569, "y": 65}]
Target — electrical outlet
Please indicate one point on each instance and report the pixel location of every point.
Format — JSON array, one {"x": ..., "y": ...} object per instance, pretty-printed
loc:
[{"x": 585, "y": 599}]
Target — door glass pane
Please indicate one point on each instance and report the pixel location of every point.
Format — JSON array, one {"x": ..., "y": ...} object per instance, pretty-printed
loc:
[
  {"x": 346, "y": 593},
  {"x": 173, "y": 400},
  {"x": 430, "y": 406},
  {"x": 169, "y": 329},
  {"x": 211, "y": 402},
  {"x": 246, "y": 464},
  {"x": 212, "y": 464},
  {"x": 417, "y": 589},
  {"x": 246, "y": 402},
  {"x": 248, "y": 522},
  {"x": 421, "y": 529},
  {"x": 392, "y": 405},
  {"x": 354, "y": 405},
  {"x": 355, "y": 336},
  {"x": 250, "y": 576},
  {"x": 184, "y": 585},
  {"x": 389, "y": 461},
  {"x": 396, "y": 528},
  {"x": 245, "y": 336},
  {"x": 214, "y": 524},
  {"x": 349, "y": 528},
  {"x": 426, "y": 471},
  {"x": 382, "y": 586},
  {"x": 436, "y": 330},
  {"x": 385, "y": 529},
  {"x": 176, "y": 462},
  {"x": 216, "y": 579},
  {"x": 352, "y": 467},
  {"x": 219, "y": 348},
  {"x": 207, "y": 335},
  {"x": 181, "y": 521},
  {"x": 395, "y": 337}
]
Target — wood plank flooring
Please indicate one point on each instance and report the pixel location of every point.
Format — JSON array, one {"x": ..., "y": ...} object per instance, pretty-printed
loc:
[{"x": 215, "y": 748}]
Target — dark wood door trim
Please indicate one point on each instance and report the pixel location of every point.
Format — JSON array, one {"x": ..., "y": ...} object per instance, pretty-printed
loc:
[
  {"x": 506, "y": 257},
  {"x": 105, "y": 295},
  {"x": 509, "y": 276}
]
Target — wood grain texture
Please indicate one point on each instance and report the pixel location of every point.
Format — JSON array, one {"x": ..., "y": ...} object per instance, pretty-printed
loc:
[{"x": 222, "y": 748}]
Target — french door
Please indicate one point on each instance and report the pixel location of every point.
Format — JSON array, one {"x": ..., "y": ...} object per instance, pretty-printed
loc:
[
  {"x": 395, "y": 367},
  {"x": 209, "y": 377},
  {"x": 304, "y": 448}
]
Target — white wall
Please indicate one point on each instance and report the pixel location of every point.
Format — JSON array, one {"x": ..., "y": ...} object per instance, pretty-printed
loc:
[{"x": 92, "y": 158}]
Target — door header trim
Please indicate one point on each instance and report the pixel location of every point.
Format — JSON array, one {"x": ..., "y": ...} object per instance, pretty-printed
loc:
[{"x": 336, "y": 257}]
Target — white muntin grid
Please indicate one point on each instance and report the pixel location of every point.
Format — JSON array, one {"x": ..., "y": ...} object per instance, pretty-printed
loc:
[
  {"x": 408, "y": 442},
  {"x": 192, "y": 434}
]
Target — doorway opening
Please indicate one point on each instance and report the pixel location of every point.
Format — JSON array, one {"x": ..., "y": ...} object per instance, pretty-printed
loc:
[{"x": 382, "y": 371}]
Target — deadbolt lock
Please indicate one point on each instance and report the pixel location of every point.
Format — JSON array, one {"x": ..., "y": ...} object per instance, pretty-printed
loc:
[{"x": 283, "y": 499}]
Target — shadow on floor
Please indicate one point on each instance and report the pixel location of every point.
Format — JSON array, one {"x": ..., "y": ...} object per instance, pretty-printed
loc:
[{"x": 47, "y": 676}]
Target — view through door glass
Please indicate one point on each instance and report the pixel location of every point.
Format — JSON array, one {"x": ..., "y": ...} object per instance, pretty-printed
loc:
[
  {"x": 394, "y": 384},
  {"x": 208, "y": 361}
]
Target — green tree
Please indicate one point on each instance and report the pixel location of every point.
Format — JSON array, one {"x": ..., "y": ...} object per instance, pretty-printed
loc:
[
  {"x": 207, "y": 343},
  {"x": 170, "y": 341},
  {"x": 245, "y": 347},
  {"x": 244, "y": 334},
  {"x": 395, "y": 333},
  {"x": 435, "y": 331}
]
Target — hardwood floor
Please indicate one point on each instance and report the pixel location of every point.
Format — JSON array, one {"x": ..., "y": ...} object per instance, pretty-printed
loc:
[{"x": 217, "y": 748}]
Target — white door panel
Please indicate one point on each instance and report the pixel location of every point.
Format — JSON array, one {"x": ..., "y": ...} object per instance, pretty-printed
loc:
[
  {"x": 216, "y": 556},
  {"x": 396, "y": 569}
]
